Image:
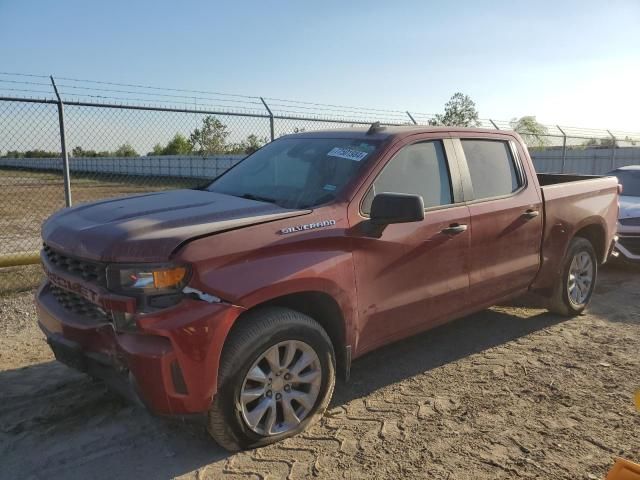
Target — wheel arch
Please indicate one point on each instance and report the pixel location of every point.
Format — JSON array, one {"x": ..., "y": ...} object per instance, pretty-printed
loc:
[
  {"x": 596, "y": 235},
  {"x": 324, "y": 309},
  {"x": 555, "y": 249}
]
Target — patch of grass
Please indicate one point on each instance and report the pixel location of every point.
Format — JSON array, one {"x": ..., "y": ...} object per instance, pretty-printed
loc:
[{"x": 28, "y": 198}]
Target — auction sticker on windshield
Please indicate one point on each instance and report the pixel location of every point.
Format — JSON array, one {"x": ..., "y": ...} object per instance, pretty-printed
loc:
[{"x": 349, "y": 154}]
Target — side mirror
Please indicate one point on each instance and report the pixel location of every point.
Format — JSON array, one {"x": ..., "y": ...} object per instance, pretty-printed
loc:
[{"x": 388, "y": 208}]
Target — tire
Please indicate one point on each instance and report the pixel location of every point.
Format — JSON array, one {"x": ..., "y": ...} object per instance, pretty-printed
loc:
[
  {"x": 562, "y": 301},
  {"x": 257, "y": 334}
]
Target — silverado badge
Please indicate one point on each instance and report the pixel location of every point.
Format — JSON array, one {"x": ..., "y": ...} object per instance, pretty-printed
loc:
[{"x": 308, "y": 226}]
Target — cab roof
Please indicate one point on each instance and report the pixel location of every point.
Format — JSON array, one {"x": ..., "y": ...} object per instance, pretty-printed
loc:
[{"x": 384, "y": 132}]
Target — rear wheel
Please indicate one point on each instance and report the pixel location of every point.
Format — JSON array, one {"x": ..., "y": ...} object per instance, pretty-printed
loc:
[
  {"x": 277, "y": 375},
  {"x": 575, "y": 286}
]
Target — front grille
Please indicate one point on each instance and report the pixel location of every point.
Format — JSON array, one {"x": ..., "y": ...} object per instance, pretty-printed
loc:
[
  {"x": 90, "y": 271},
  {"x": 80, "y": 306},
  {"x": 630, "y": 222},
  {"x": 630, "y": 243}
]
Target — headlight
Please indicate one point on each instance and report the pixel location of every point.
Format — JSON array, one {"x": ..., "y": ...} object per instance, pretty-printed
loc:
[
  {"x": 147, "y": 279},
  {"x": 155, "y": 287}
]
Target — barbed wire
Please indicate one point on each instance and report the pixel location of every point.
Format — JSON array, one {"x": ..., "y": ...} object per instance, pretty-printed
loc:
[{"x": 149, "y": 95}]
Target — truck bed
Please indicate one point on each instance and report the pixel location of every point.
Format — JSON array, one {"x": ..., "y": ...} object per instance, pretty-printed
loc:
[
  {"x": 546, "y": 179},
  {"x": 570, "y": 203}
]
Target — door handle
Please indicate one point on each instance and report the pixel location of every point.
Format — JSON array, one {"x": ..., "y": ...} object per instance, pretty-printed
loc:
[
  {"x": 531, "y": 213},
  {"x": 454, "y": 229}
]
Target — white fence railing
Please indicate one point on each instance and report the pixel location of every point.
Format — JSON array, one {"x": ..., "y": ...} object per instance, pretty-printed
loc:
[
  {"x": 588, "y": 161},
  {"x": 149, "y": 166},
  {"x": 585, "y": 161}
]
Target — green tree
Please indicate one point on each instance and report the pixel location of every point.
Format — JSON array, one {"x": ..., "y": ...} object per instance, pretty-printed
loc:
[
  {"x": 81, "y": 152},
  {"x": 121, "y": 152},
  {"x": 607, "y": 142},
  {"x": 253, "y": 143},
  {"x": 157, "y": 150},
  {"x": 459, "y": 111},
  {"x": 602, "y": 142},
  {"x": 178, "y": 145},
  {"x": 211, "y": 138},
  {"x": 41, "y": 154},
  {"x": 248, "y": 145},
  {"x": 13, "y": 154},
  {"x": 77, "y": 152},
  {"x": 533, "y": 133},
  {"x": 125, "y": 150}
]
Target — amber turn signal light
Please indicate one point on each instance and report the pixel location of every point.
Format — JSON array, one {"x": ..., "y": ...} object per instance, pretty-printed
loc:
[{"x": 168, "y": 278}]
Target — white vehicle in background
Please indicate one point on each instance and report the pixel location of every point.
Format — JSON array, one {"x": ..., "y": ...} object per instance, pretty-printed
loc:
[{"x": 628, "y": 244}]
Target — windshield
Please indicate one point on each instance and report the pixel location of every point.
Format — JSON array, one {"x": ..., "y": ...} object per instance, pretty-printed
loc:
[
  {"x": 630, "y": 181},
  {"x": 297, "y": 172}
]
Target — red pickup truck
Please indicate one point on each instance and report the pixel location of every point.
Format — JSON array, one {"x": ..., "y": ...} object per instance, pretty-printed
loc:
[{"x": 246, "y": 297}]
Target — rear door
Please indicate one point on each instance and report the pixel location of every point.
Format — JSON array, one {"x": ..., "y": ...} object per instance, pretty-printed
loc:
[
  {"x": 506, "y": 217},
  {"x": 414, "y": 275}
]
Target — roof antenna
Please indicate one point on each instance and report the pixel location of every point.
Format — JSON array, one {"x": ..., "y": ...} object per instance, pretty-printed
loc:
[{"x": 375, "y": 127}]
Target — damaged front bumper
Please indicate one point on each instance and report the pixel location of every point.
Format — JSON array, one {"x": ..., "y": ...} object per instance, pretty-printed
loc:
[{"x": 170, "y": 364}]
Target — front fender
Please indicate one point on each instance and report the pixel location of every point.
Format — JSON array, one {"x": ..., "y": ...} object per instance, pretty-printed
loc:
[{"x": 249, "y": 267}]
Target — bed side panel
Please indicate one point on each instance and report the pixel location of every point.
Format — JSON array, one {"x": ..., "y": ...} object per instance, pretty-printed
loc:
[{"x": 570, "y": 207}]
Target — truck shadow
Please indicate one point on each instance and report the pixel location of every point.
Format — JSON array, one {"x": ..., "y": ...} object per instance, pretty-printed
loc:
[
  {"x": 437, "y": 347},
  {"x": 58, "y": 421},
  {"x": 55, "y": 420}
]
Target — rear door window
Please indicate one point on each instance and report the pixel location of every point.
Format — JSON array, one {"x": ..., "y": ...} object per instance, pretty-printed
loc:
[
  {"x": 492, "y": 168},
  {"x": 418, "y": 169}
]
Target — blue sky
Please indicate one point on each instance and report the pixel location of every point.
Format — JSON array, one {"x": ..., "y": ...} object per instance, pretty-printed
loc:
[{"x": 575, "y": 63}]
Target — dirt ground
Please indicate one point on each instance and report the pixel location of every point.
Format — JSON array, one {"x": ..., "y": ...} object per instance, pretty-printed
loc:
[
  {"x": 27, "y": 198},
  {"x": 510, "y": 392}
]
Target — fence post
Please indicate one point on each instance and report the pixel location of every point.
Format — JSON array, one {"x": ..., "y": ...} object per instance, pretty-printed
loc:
[
  {"x": 494, "y": 124},
  {"x": 63, "y": 145},
  {"x": 411, "y": 117},
  {"x": 273, "y": 137},
  {"x": 564, "y": 147},
  {"x": 613, "y": 150}
]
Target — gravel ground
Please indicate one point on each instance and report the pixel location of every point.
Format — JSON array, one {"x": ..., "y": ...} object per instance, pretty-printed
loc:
[{"x": 511, "y": 392}]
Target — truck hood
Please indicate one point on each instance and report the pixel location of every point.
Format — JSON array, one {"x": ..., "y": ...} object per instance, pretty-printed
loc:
[{"x": 149, "y": 227}]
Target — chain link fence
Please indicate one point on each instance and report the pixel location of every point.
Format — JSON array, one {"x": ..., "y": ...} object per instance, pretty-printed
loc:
[
  {"x": 120, "y": 139},
  {"x": 27, "y": 198}
]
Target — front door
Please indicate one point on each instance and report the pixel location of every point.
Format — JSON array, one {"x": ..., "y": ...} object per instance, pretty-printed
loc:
[{"x": 415, "y": 275}]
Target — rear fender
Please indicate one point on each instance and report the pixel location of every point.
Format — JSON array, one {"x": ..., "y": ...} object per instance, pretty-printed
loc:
[{"x": 556, "y": 240}]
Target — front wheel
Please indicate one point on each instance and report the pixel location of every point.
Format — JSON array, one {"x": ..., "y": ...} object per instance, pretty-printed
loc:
[
  {"x": 277, "y": 375},
  {"x": 575, "y": 286}
]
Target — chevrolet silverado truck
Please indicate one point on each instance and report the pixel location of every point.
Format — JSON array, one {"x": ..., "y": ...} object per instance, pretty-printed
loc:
[{"x": 243, "y": 299}]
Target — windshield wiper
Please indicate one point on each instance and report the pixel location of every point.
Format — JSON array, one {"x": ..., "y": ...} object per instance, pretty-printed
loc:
[{"x": 251, "y": 196}]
